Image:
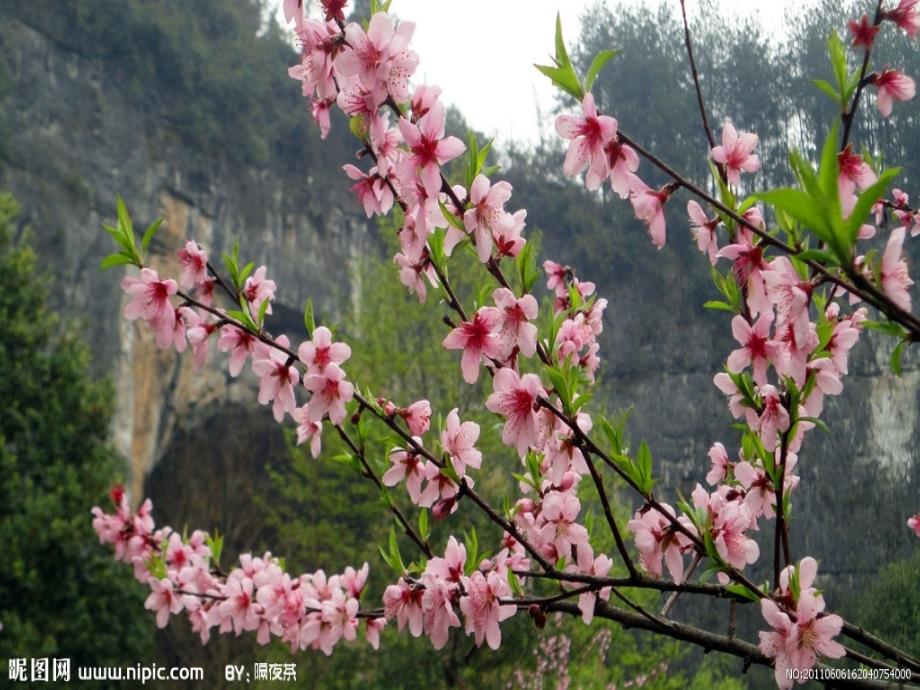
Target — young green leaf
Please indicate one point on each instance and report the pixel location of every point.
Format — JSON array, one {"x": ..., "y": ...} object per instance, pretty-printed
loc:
[
  {"x": 149, "y": 233},
  {"x": 597, "y": 64},
  {"x": 309, "y": 321},
  {"x": 119, "y": 259}
]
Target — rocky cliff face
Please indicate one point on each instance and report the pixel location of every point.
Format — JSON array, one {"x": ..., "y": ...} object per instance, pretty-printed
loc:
[{"x": 78, "y": 138}]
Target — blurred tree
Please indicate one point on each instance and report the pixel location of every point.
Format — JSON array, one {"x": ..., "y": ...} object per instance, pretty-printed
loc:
[
  {"x": 891, "y": 606},
  {"x": 61, "y": 593}
]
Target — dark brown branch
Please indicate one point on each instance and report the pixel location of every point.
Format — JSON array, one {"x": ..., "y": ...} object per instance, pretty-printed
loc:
[
  {"x": 857, "y": 283},
  {"x": 370, "y": 474},
  {"x": 611, "y": 521},
  {"x": 878, "y": 645},
  {"x": 780, "y": 538},
  {"x": 702, "y": 638}
]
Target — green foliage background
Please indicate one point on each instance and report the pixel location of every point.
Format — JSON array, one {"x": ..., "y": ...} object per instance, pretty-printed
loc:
[{"x": 61, "y": 593}]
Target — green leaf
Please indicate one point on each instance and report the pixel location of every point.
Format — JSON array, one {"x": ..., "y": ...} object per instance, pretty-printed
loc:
[
  {"x": 719, "y": 306},
  {"x": 309, "y": 321},
  {"x": 828, "y": 89},
  {"x": 818, "y": 255},
  {"x": 564, "y": 78},
  {"x": 515, "y": 583},
  {"x": 838, "y": 58},
  {"x": 817, "y": 422},
  {"x": 867, "y": 200},
  {"x": 150, "y": 232},
  {"x": 726, "y": 194},
  {"x": 801, "y": 207},
  {"x": 124, "y": 218},
  {"x": 644, "y": 464},
  {"x": 471, "y": 542},
  {"x": 888, "y": 327},
  {"x": 216, "y": 544},
  {"x": 895, "y": 360},
  {"x": 601, "y": 59},
  {"x": 423, "y": 523},
  {"x": 451, "y": 218},
  {"x": 247, "y": 269},
  {"x": 118, "y": 234},
  {"x": 394, "y": 550},
  {"x": 560, "y": 384},
  {"x": 262, "y": 309},
  {"x": 829, "y": 169},
  {"x": 562, "y": 55},
  {"x": 358, "y": 127},
  {"x": 231, "y": 263},
  {"x": 120, "y": 259},
  {"x": 741, "y": 591},
  {"x": 527, "y": 267}
]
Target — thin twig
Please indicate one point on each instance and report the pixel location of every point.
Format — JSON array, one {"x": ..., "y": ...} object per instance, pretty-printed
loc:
[
  {"x": 611, "y": 521},
  {"x": 696, "y": 80},
  {"x": 849, "y": 115}
]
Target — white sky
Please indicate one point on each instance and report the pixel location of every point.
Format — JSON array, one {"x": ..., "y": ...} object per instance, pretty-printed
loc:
[{"x": 481, "y": 53}]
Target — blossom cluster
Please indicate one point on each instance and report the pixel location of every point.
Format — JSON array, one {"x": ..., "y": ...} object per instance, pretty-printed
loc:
[
  {"x": 178, "y": 319},
  {"x": 366, "y": 74},
  {"x": 428, "y": 604},
  {"x": 309, "y": 611},
  {"x": 796, "y": 640}
]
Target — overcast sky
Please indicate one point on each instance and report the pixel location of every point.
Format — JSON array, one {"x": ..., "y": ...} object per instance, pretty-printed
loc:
[{"x": 495, "y": 85}]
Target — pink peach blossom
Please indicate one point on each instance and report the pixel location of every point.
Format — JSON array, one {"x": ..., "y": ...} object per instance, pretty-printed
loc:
[
  {"x": 704, "y": 231},
  {"x": 589, "y": 135},
  {"x": 308, "y": 430},
  {"x": 893, "y": 273},
  {"x": 623, "y": 161},
  {"x": 330, "y": 394},
  {"x": 407, "y": 466},
  {"x": 194, "y": 263},
  {"x": 718, "y": 458},
  {"x": 864, "y": 32},
  {"x": 403, "y": 602},
  {"x": 429, "y": 148},
  {"x": 657, "y": 538},
  {"x": 417, "y": 416},
  {"x": 413, "y": 274},
  {"x": 756, "y": 349},
  {"x": 478, "y": 339},
  {"x": 278, "y": 378},
  {"x": 516, "y": 332},
  {"x": 320, "y": 352},
  {"x": 150, "y": 299},
  {"x": 514, "y": 398},
  {"x": 906, "y": 15},
  {"x": 487, "y": 214},
  {"x": 258, "y": 289},
  {"x": 482, "y": 609},
  {"x": 914, "y": 524},
  {"x": 240, "y": 344},
  {"x": 736, "y": 153},
  {"x": 772, "y": 419},
  {"x": 459, "y": 441},
  {"x": 163, "y": 600},
  {"x": 648, "y": 205},
  {"x": 892, "y": 85}
]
